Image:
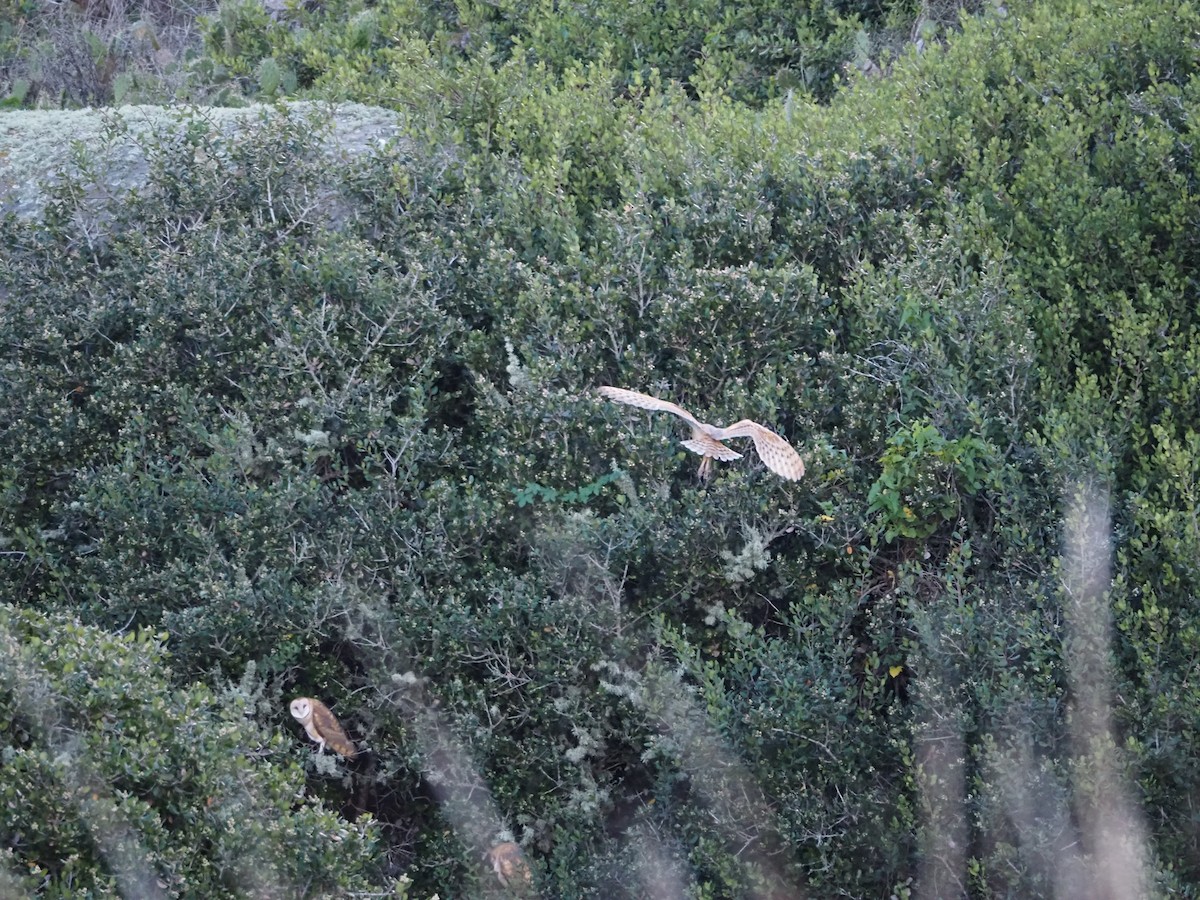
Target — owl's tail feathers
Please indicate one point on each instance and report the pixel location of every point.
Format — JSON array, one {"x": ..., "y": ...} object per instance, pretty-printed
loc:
[{"x": 706, "y": 446}]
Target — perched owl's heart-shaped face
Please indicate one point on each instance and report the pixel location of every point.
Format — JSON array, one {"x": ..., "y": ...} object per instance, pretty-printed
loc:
[{"x": 301, "y": 708}]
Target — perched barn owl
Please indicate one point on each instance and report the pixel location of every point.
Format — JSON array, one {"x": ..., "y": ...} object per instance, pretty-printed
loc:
[
  {"x": 776, "y": 453},
  {"x": 322, "y": 726},
  {"x": 508, "y": 862}
]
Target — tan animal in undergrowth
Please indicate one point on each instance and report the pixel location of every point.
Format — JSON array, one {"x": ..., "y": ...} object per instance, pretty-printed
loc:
[{"x": 509, "y": 864}]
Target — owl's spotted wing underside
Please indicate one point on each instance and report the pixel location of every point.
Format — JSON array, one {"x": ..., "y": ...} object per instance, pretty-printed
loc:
[{"x": 777, "y": 454}]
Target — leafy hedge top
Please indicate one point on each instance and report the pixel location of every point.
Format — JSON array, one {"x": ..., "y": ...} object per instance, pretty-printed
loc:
[{"x": 115, "y": 146}]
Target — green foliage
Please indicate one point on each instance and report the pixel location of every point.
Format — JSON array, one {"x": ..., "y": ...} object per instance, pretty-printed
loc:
[
  {"x": 532, "y": 491},
  {"x": 118, "y": 782},
  {"x": 96, "y": 53},
  {"x": 283, "y": 411},
  {"x": 237, "y": 38},
  {"x": 190, "y": 466},
  {"x": 918, "y": 489},
  {"x": 749, "y": 51}
]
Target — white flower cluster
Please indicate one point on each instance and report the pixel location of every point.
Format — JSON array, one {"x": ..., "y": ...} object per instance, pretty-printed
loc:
[
  {"x": 754, "y": 558},
  {"x": 625, "y": 682}
]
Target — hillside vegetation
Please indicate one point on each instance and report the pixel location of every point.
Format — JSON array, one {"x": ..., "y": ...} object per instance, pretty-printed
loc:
[{"x": 277, "y": 427}]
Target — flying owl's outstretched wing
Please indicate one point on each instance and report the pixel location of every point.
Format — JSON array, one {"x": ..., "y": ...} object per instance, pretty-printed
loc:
[
  {"x": 777, "y": 454},
  {"x": 645, "y": 401}
]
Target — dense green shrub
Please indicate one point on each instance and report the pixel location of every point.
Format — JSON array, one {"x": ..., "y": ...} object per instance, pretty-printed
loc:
[
  {"x": 345, "y": 430},
  {"x": 98, "y": 52},
  {"x": 750, "y": 51},
  {"x": 117, "y": 782},
  {"x": 173, "y": 420}
]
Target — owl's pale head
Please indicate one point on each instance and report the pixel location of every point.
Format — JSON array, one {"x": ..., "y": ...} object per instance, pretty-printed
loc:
[{"x": 301, "y": 708}]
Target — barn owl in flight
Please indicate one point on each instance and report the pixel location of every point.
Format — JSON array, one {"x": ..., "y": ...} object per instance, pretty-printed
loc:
[
  {"x": 776, "y": 453},
  {"x": 322, "y": 726}
]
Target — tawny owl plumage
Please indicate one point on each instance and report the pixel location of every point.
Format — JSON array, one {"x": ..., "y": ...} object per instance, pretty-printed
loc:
[
  {"x": 322, "y": 726},
  {"x": 508, "y": 862},
  {"x": 776, "y": 453}
]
